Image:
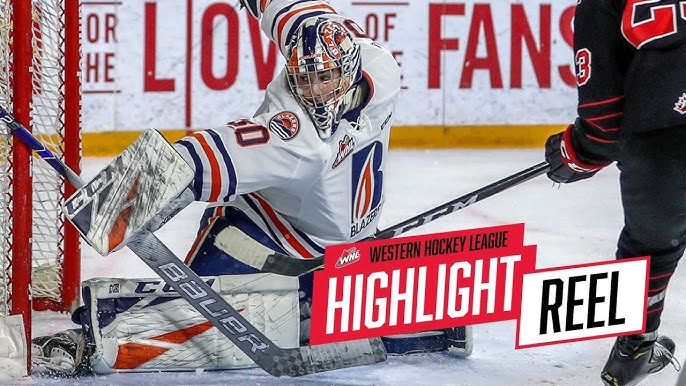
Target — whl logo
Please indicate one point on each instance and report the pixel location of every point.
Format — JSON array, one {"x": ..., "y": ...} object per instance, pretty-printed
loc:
[
  {"x": 345, "y": 147},
  {"x": 348, "y": 257},
  {"x": 680, "y": 105}
]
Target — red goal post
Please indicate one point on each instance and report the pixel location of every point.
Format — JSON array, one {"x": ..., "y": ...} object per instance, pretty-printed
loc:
[{"x": 40, "y": 48}]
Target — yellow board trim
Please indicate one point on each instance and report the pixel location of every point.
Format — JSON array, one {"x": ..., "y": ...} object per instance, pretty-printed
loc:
[
  {"x": 109, "y": 144},
  {"x": 472, "y": 137}
]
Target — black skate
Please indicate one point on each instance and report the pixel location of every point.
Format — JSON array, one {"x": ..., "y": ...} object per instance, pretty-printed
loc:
[
  {"x": 461, "y": 340},
  {"x": 457, "y": 340},
  {"x": 60, "y": 355},
  {"x": 633, "y": 357}
]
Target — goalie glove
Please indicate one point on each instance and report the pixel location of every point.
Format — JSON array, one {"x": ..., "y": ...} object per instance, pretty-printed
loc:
[
  {"x": 255, "y": 7},
  {"x": 141, "y": 188},
  {"x": 172, "y": 209},
  {"x": 565, "y": 163}
]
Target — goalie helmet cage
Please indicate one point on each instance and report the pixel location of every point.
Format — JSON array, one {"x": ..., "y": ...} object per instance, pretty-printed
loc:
[{"x": 39, "y": 82}]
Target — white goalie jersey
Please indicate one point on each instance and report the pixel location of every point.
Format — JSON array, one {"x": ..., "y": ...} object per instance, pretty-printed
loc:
[{"x": 304, "y": 191}]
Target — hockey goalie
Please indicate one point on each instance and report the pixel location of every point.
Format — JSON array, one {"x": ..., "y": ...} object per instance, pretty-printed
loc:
[{"x": 305, "y": 171}]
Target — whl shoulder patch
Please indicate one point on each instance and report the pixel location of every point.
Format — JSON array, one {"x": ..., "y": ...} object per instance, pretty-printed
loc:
[{"x": 129, "y": 192}]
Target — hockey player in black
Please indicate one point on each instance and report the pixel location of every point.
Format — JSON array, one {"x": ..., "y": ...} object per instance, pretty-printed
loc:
[{"x": 630, "y": 60}]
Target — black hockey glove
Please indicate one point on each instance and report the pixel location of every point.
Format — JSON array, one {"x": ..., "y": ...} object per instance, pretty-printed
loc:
[{"x": 565, "y": 165}]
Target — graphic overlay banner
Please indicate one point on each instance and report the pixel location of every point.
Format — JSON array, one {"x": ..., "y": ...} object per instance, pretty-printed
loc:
[
  {"x": 429, "y": 282},
  {"x": 420, "y": 283},
  {"x": 584, "y": 302}
]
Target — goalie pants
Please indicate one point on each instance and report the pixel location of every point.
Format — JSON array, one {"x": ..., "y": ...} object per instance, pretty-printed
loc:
[
  {"x": 206, "y": 259},
  {"x": 653, "y": 189}
]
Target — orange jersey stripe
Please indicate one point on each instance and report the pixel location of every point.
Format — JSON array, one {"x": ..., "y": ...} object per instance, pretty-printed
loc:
[
  {"x": 290, "y": 238},
  {"x": 214, "y": 166},
  {"x": 201, "y": 237}
]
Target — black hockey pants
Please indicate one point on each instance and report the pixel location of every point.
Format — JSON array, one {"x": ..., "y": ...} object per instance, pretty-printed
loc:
[{"x": 653, "y": 188}]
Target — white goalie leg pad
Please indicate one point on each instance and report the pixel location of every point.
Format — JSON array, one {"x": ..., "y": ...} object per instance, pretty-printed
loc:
[
  {"x": 143, "y": 325},
  {"x": 13, "y": 357}
]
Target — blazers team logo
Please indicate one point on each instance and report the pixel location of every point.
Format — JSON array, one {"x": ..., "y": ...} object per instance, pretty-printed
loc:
[{"x": 285, "y": 125}]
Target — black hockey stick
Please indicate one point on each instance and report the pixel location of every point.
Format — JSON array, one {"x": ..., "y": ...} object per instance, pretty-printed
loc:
[
  {"x": 275, "y": 360},
  {"x": 250, "y": 252}
]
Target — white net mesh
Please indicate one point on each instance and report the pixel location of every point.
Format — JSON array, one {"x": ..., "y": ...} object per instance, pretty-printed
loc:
[
  {"x": 47, "y": 115},
  {"x": 48, "y": 121}
]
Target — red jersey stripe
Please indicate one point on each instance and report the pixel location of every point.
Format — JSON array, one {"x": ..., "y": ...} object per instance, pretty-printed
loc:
[{"x": 611, "y": 100}]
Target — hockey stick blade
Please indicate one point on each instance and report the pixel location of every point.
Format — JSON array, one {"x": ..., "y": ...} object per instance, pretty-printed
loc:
[
  {"x": 271, "y": 358},
  {"x": 243, "y": 248},
  {"x": 247, "y": 250}
]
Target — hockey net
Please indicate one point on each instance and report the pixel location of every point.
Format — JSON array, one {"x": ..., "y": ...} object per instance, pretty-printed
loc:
[{"x": 39, "y": 85}]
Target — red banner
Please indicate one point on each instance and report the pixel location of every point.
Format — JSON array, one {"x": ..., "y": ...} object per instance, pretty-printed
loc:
[{"x": 420, "y": 283}]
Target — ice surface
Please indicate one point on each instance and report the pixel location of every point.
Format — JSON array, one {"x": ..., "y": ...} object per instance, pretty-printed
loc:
[{"x": 570, "y": 224}]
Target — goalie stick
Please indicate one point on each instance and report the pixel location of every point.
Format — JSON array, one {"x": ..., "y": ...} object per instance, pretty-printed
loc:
[
  {"x": 274, "y": 360},
  {"x": 237, "y": 244}
]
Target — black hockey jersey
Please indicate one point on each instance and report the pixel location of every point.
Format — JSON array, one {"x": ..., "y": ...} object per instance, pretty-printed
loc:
[{"x": 630, "y": 60}]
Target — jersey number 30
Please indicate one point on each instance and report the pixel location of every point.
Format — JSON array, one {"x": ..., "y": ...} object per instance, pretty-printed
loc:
[{"x": 249, "y": 133}]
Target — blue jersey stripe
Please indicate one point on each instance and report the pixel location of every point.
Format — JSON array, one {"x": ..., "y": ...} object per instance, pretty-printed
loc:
[
  {"x": 307, "y": 241},
  {"x": 227, "y": 162},
  {"x": 278, "y": 16},
  {"x": 256, "y": 208},
  {"x": 197, "y": 180}
]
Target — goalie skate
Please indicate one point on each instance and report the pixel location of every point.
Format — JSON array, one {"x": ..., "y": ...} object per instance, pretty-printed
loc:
[
  {"x": 59, "y": 355},
  {"x": 148, "y": 180}
]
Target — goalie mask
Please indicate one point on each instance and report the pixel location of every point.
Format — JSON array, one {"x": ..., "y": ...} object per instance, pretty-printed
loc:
[{"x": 323, "y": 65}]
